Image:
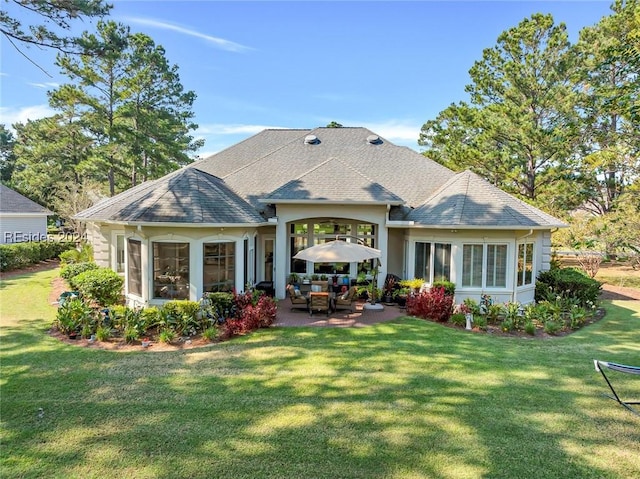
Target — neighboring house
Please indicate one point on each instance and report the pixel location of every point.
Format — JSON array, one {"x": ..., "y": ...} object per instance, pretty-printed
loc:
[
  {"x": 239, "y": 216},
  {"x": 21, "y": 219}
]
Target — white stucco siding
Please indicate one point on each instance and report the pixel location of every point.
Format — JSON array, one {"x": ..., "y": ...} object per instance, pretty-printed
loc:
[
  {"x": 458, "y": 238},
  {"x": 99, "y": 236},
  {"x": 18, "y": 228}
]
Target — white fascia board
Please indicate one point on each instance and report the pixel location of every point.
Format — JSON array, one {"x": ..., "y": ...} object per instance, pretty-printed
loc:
[
  {"x": 331, "y": 202},
  {"x": 476, "y": 227},
  {"x": 14, "y": 214},
  {"x": 179, "y": 225}
]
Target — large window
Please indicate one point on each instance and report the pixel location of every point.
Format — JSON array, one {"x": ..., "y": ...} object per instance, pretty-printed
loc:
[
  {"x": 525, "y": 264},
  {"x": 473, "y": 265},
  {"x": 134, "y": 267},
  {"x": 433, "y": 261},
  {"x": 219, "y": 268},
  {"x": 304, "y": 235},
  {"x": 171, "y": 270}
]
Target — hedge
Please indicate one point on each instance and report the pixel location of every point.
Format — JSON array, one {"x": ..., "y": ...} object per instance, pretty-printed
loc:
[
  {"x": 568, "y": 283},
  {"x": 20, "y": 255},
  {"x": 103, "y": 285},
  {"x": 72, "y": 270}
]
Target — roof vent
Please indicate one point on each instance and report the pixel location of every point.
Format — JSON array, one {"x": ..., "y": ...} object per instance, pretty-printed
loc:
[
  {"x": 373, "y": 139},
  {"x": 311, "y": 139}
]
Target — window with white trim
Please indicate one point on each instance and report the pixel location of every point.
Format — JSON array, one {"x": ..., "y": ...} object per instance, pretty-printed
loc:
[
  {"x": 134, "y": 267},
  {"x": 432, "y": 261},
  {"x": 525, "y": 264},
  {"x": 171, "y": 270},
  {"x": 119, "y": 253},
  {"x": 476, "y": 269},
  {"x": 219, "y": 268}
]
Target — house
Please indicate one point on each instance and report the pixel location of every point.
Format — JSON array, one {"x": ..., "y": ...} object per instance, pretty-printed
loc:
[
  {"x": 21, "y": 219},
  {"x": 239, "y": 216}
]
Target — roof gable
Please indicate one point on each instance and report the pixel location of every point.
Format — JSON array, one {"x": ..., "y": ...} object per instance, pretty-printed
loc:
[
  {"x": 469, "y": 200},
  {"x": 185, "y": 196},
  {"x": 14, "y": 202}
]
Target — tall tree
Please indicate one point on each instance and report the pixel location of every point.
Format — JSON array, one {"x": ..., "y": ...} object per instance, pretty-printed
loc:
[
  {"x": 46, "y": 23},
  {"x": 7, "y": 156},
  {"x": 48, "y": 151},
  {"x": 608, "y": 88},
  {"x": 98, "y": 91},
  {"x": 516, "y": 130},
  {"x": 159, "y": 110}
]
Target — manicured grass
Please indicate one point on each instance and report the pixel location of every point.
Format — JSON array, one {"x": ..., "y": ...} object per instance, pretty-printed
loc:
[{"x": 404, "y": 399}]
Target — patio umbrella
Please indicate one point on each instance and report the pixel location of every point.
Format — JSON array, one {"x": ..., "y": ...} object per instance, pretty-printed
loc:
[
  {"x": 338, "y": 251},
  {"x": 342, "y": 252}
]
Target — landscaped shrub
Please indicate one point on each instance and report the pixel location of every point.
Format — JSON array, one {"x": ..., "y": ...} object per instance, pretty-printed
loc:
[
  {"x": 480, "y": 322},
  {"x": 252, "y": 312},
  {"x": 459, "y": 319},
  {"x": 102, "y": 285},
  {"x": 72, "y": 270},
  {"x": 181, "y": 316},
  {"x": 530, "y": 328},
  {"x": 216, "y": 307},
  {"x": 20, "y": 255},
  {"x": 449, "y": 287},
  {"x": 569, "y": 283},
  {"x": 72, "y": 316},
  {"x": 84, "y": 254},
  {"x": 433, "y": 304}
]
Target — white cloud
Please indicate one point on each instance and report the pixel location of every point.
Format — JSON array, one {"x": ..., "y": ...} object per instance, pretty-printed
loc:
[
  {"x": 232, "y": 129},
  {"x": 46, "y": 85},
  {"x": 10, "y": 115},
  {"x": 219, "y": 42},
  {"x": 401, "y": 132}
]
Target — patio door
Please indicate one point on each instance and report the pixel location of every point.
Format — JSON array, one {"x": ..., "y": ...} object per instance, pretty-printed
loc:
[{"x": 268, "y": 247}]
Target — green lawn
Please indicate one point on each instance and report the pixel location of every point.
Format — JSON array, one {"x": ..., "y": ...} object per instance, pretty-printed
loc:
[{"x": 405, "y": 399}]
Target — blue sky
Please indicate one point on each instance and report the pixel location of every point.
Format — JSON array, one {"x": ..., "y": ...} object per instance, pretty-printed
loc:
[{"x": 386, "y": 65}]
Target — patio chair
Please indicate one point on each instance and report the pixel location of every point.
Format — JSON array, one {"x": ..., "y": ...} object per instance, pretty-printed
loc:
[
  {"x": 298, "y": 301},
  {"x": 622, "y": 368},
  {"x": 347, "y": 300},
  {"x": 319, "y": 302}
]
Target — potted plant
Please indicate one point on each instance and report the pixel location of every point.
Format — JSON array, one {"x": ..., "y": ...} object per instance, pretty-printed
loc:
[
  {"x": 388, "y": 289},
  {"x": 400, "y": 296},
  {"x": 294, "y": 278}
]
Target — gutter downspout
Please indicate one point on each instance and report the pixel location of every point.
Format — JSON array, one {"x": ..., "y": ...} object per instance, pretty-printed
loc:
[{"x": 514, "y": 295}]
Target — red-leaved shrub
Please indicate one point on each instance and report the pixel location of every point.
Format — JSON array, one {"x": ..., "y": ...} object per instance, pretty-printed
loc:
[
  {"x": 433, "y": 304},
  {"x": 251, "y": 312}
]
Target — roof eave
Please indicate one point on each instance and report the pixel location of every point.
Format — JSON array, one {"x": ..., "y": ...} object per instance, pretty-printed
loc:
[
  {"x": 174, "y": 224},
  {"x": 413, "y": 224},
  {"x": 333, "y": 202}
]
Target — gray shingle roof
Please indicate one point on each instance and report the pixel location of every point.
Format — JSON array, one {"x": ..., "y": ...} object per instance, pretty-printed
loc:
[
  {"x": 343, "y": 166},
  {"x": 468, "y": 200},
  {"x": 184, "y": 196},
  {"x": 400, "y": 170},
  {"x": 334, "y": 180},
  {"x": 13, "y": 202}
]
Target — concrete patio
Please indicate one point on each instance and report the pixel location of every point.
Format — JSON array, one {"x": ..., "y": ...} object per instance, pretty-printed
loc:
[{"x": 339, "y": 319}]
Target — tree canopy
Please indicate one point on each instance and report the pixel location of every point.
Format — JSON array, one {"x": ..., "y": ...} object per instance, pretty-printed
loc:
[
  {"x": 123, "y": 117},
  {"x": 554, "y": 123},
  {"x": 26, "y": 23}
]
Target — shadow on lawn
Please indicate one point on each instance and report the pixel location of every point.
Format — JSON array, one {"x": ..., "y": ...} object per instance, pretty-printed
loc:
[{"x": 399, "y": 399}]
